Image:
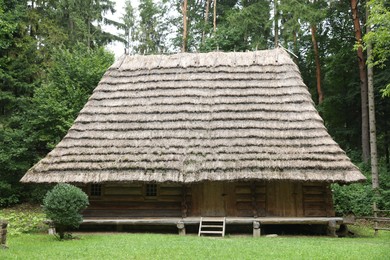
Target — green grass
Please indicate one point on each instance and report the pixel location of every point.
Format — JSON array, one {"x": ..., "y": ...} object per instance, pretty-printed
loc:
[
  {"x": 24, "y": 244},
  {"x": 158, "y": 246}
]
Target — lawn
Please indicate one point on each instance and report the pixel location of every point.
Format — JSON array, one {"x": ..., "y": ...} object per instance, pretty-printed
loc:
[
  {"x": 159, "y": 246},
  {"x": 26, "y": 241}
]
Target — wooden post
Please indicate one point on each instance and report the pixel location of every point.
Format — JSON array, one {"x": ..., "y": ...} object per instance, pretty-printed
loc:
[
  {"x": 256, "y": 229},
  {"x": 184, "y": 207},
  {"x": 3, "y": 234},
  {"x": 254, "y": 204},
  {"x": 52, "y": 229},
  {"x": 332, "y": 228},
  {"x": 182, "y": 228},
  {"x": 375, "y": 209}
]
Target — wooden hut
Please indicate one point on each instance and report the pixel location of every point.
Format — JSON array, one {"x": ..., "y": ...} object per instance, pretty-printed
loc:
[{"x": 172, "y": 138}]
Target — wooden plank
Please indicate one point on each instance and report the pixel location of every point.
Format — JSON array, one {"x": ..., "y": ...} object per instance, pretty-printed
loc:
[
  {"x": 197, "y": 198},
  {"x": 213, "y": 199},
  {"x": 132, "y": 213},
  {"x": 170, "y": 191},
  {"x": 112, "y": 205},
  {"x": 260, "y": 188},
  {"x": 169, "y": 198},
  {"x": 243, "y": 189},
  {"x": 244, "y": 205},
  {"x": 313, "y": 189},
  {"x": 244, "y": 197},
  {"x": 126, "y": 198},
  {"x": 330, "y": 212},
  {"x": 298, "y": 194},
  {"x": 244, "y": 213},
  {"x": 271, "y": 200},
  {"x": 314, "y": 197},
  {"x": 123, "y": 191},
  {"x": 123, "y": 185},
  {"x": 230, "y": 198}
]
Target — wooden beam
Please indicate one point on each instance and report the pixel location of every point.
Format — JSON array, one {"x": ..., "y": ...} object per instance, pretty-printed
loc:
[
  {"x": 254, "y": 203},
  {"x": 196, "y": 220},
  {"x": 184, "y": 207}
]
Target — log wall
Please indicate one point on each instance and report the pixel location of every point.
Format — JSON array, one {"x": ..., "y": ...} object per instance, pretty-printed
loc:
[
  {"x": 130, "y": 200},
  {"x": 240, "y": 199}
]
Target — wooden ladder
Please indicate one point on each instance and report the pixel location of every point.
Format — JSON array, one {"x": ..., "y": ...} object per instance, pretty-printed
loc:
[{"x": 212, "y": 226}]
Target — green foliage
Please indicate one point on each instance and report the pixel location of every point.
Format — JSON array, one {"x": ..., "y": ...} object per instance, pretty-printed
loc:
[
  {"x": 63, "y": 205},
  {"x": 150, "y": 30},
  {"x": 44, "y": 119},
  {"x": 243, "y": 28},
  {"x": 379, "y": 36},
  {"x": 358, "y": 198},
  {"x": 24, "y": 220},
  {"x": 7, "y": 195}
]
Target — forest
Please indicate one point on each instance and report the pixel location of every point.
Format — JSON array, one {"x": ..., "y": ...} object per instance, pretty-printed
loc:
[{"x": 54, "y": 52}]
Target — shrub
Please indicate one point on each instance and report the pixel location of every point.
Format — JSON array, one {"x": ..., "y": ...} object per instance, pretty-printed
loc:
[
  {"x": 359, "y": 197},
  {"x": 356, "y": 198},
  {"x": 63, "y": 205}
]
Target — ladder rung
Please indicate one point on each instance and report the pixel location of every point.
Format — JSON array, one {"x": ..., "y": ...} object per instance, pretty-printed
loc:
[
  {"x": 212, "y": 226},
  {"x": 218, "y": 224},
  {"x": 211, "y": 232},
  {"x": 213, "y": 219}
]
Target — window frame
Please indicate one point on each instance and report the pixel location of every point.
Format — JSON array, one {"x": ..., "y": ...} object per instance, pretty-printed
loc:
[
  {"x": 93, "y": 187},
  {"x": 154, "y": 187}
]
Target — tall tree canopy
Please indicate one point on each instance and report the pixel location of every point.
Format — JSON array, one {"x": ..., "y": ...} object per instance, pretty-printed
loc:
[{"x": 52, "y": 55}]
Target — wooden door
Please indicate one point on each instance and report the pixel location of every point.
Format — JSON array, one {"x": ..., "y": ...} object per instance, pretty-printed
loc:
[
  {"x": 284, "y": 199},
  {"x": 213, "y": 204}
]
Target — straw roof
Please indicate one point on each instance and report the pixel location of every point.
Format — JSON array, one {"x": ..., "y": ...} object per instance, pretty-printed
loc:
[{"x": 195, "y": 117}]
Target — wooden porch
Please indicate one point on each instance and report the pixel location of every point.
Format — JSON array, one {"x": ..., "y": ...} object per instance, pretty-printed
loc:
[{"x": 257, "y": 223}]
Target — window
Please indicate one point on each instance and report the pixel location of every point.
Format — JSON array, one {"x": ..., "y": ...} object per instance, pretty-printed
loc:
[
  {"x": 96, "y": 190},
  {"x": 151, "y": 190}
]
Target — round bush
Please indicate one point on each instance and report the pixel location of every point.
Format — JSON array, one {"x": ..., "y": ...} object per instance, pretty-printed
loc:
[{"x": 63, "y": 205}]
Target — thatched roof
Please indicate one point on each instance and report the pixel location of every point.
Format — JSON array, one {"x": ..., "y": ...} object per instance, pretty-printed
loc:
[{"x": 194, "y": 117}]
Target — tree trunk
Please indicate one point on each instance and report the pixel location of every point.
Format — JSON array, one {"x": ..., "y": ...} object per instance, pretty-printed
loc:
[
  {"x": 215, "y": 16},
  {"x": 276, "y": 21},
  {"x": 363, "y": 83},
  {"x": 206, "y": 19},
  {"x": 184, "y": 11},
  {"x": 371, "y": 111},
  {"x": 295, "y": 40},
  {"x": 318, "y": 65}
]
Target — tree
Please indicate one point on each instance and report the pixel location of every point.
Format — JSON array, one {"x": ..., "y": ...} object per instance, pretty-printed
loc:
[
  {"x": 42, "y": 120},
  {"x": 379, "y": 36},
  {"x": 363, "y": 82},
  {"x": 63, "y": 205},
  {"x": 128, "y": 24},
  {"x": 185, "y": 21},
  {"x": 20, "y": 63},
  {"x": 371, "y": 110},
  {"x": 151, "y": 30},
  {"x": 242, "y": 28}
]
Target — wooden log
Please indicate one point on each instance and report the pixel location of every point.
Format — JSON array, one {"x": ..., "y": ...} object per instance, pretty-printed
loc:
[
  {"x": 184, "y": 206},
  {"x": 253, "y": 200},
  {"x": 3, "y": 234},
  {"x": 332, "y": 228}
]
